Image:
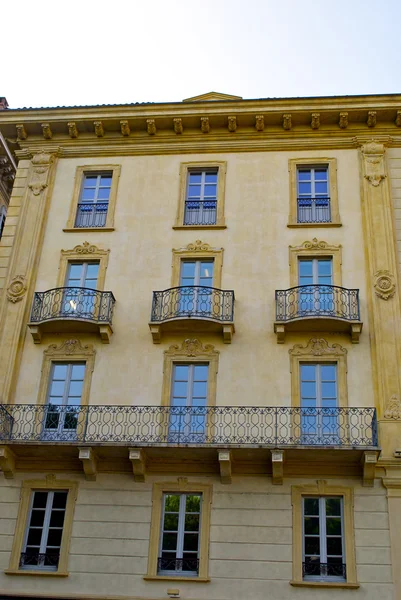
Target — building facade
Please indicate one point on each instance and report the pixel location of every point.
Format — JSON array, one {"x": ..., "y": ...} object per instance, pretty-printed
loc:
[{"x": 200, "y": 351}]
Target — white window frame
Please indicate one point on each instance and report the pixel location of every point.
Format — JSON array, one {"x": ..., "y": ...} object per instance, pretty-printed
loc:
[
  {"x": 313, "y": 196},
  {"x": 190, "y": 388},
  {"x": 180, "y": 532},
  {"x": 98, "y": 176},
  {"x": 203, "y": 171},
  {"x": 45, "y": 528},
  {"x": 318, "y": 380},
  {"x": 315, "y": 268},
  {"x": 62, "y": 409},
  {"x": 84, "y": 264},
  {"x": 323, "y": 536}
]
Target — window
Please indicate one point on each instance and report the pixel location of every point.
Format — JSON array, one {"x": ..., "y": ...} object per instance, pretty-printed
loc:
[
  {"x": 42, "y": 543},
  {"x": 196, "y": 282},
  {"x": 43, "y": 528},
  {"x": 3, "y": 213},
  {"x": 201, "y": 197},
  {"x": 180, "y": 530},
  {"x": 319, "y": 403},
  {"x": 201, "y": 201},
  {"x": 180, "y": 534},
  {"x": 315, "y": 262},
  {"x": 313, "y": 199},
  {"x": 94, "y": 198},
  {"x": 323, "y": 536},
  {"x": 188, "y": 403},
  {"x": 63, "y": 400},
  {"x": 79, "y": 300},
  {"x": 313, "y": 193},
  {"x": 323, "y": 542},
  {"x": 315, "y": 294}
]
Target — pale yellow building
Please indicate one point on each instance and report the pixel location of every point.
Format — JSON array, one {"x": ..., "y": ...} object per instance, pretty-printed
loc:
[{"x": 200, "y": 351}]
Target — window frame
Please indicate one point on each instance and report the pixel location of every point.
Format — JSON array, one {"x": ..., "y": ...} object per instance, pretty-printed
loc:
[
  {"x": 80, "y": 254},
  {"x": 197, "y": 251},
  {"x": 315, "y": 249},
  {"x": 27, "y": 488},
  {"x": 185, "y": 168},
  {"x": 322, "y": 489},
  {"x": 181, "y": 486},
  {"x": 80, "y": 173},
  {"x": 316, "y": 162}
]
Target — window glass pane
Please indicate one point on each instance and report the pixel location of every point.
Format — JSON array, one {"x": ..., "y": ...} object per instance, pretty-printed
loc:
[
  {"x": 187, "y": 269},
  {"x": 191, "y": 542},
  {"x": 333, "y": 506},
  {"x": 169, "y": 541},
  {"x": 312, "y": 545},
  {"x": 320, "y": 174},
  {"x": 75, "y": 389},
  {"x": 304, "y": 188},
  {"x": 305, "y": 268},
  {"x": 195, "y": 177},
  {"x": 34, "y": 537},
  {"x": 92, "y": 270},
  {"x": 75, "y": 270},
  {"x": 308, "y": 389},
  {"x": 180, "y": 389},
  {"x": 193, "y": 504},
  {"x": 324, "y": 267},
  {"x": 333, "y": 526},
  {"x": 105, "y": 180},
  {"x": 334, "y": 545},
  {"x": 88, "y": 194},
  {"x": 206, "y": 269},
  {"x": 304, "y": 175},
  {"x": 59, "y": 371},
  {"x": 211, "y": 191},
  {"x": 328, "y": 372},
  {"x": 311, "y": 506},
  {"x": 78, "y": 371},
  {"x": 308, "y": 372},
  {"x": 194, "y": 191},
  {"x": 312, "y": 525},
  {"x": 57, "y": 518},
  {"x": 211, "y": 177},
  {"x": 200, "y": 389},
  {"x": 192, "y": 523},
  {"x": 90, "y": 180},
  {"x": 181, "y": 372},
  {"x": 54, "y": 537},
  {"x": 37, "y": 518},
  {"x": 57, "y": 388},
  {"x": 170, "y": 522},
  {"x": 172, "y": 502},
  {"x": 201, "y": 372},
  {"x": 321, "y": 188},
  {"x": 103, "y": 194}
]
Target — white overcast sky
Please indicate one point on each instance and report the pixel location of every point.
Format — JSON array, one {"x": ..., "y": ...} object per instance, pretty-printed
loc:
[{"x": 120, "y": 51}]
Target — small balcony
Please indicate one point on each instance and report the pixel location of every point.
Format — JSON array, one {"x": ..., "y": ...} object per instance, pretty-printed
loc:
[
  {"x": 192, "y": 309},
  {"x": 90, "y": 214},
  {"x": 226, "y": 438},
  {"x": 314, "y": 210},
  {"x": 309, "y": 308},
  {"x": 72, "y": 310},
  {"x": 200, "y": 212}
]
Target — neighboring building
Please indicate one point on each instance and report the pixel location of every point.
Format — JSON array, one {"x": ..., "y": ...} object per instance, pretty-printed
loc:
[
  {"x": 156, "y": 442},
  {"x": 7, "y": 173}
]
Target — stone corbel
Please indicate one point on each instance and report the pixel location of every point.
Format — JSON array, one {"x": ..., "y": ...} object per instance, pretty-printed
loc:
[
  {"x": 72, "y": 130},
  {"x": 343, "y": 122},
  {"x": 368, "y": 462},
  {"x": 373, "y": 154},
  {"x": 398, "y": 118},
  {"x": 205, "y": 125},
  {"x": 151, "y": 126},
  {"x": 225, "y": 463},
  {"x": 125, "y": 128},
  {"x": 315, "y": 122},
  {"x": 47, "y": 132},
  {"x": 21, "y": 132},
  {"x": 287, "y": 121},
  {"x": 232, "y": 124},
  {"x": 277, "y": 466},
  {"x": 7, "y": 462},
  {"x": 89, "y": 463},
  {"x": 138, "y": 461},
  {"x": 178, "y": 127},
  {"x": 99, "y": 131},
  {"x": 259, "y": 122},
  {"x": 372, "y": 118}
]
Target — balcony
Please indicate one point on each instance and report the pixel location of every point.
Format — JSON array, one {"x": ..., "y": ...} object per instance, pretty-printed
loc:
[
  {"x": 190, "y": 309},
  {"x": 91, "y": 214},
  {"x": 317, "y": 308},
  {"x": 313, "y": 210},
  {"x": 72, "y": 309},
  {"x": 200, "y": 212},
  {"x": 227, "y": 438}
]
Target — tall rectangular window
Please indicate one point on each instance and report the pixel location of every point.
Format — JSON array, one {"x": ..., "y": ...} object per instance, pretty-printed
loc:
[
  {"x": 63, "y": 400},
  {"x": 43, "y": 535},
  {"x": 201, "y": 197},
  {"x": 323, "y": 539},
  {"x": 319, "y": 402},
  {"x": 94, "y": 200},
  {"x": 79, "y": 300},
  {"x": 316, "y": 294},
  {"x": 313, "y": 199},
  {"x": 180, "y": 534},
  {"x": 188, "y": 402}
]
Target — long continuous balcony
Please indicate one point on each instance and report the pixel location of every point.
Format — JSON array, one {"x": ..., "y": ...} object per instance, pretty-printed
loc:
[
  {"x": 192, "y": 309},
  {"x": 72, "y": 309},
  {"x": 317, "y": 308},
  {"x": 235, "y": 426}
]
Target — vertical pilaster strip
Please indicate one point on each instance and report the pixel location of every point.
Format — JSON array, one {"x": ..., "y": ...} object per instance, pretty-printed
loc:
[
  {"x": 383, "y": 285},
  {"x": 21, "y": 277}
]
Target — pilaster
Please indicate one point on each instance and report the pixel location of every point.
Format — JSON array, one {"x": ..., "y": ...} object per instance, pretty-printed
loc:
[
  {"x": 393, "y": 486},
  {"x": 24, "y": 258},
  {"x": 383, "y": 288}
]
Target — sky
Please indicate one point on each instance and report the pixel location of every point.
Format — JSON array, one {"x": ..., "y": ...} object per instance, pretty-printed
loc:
[{"x": 120, "y": 51}]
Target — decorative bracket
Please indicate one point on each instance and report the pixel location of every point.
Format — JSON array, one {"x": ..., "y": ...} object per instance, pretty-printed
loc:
[
  {"x": 315, "y": 122},
  {"x": 178, "y": 127},
  {"x": 287, "y": 122},
  {"x": 47, "y": 132},
  {"x": 259, "y": 122},
  {"x": 205, "y": 125},
  {"x": 125, "y": 128},
  {"x": 225, "y": 462},
  {"x": 89, "y": 463},
  {"x": 343, "y": 122},
  {"x": 7, "y": 462},
  {"x": 277, "y": 466},
  {"x": 232, "y": 124},
  {"x": 369, "y": 461},
  {"x": 151, "y": 126},
  {"x": 99, "y": 131},
  {"x": 72, "y": 129},
  {"x": 138, "y": 461}
]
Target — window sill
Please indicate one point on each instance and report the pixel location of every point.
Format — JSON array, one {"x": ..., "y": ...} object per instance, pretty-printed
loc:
[
  {"x": 331, "y": 224},
  {"x": 326, "y": 584},
  {"x": 178, "y": 578},
  {"x": 217, "y": 226},
  {"x": 37, "y": 573},
  {"x": 75, "y": 229}
]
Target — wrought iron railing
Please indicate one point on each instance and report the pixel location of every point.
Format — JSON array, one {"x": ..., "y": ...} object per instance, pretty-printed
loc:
[
  {"x": 47, "y": 560},
  {"x": 178, "y": 564},
  {"x": 314, "y": 210},
  {"x": 315, "y": 569},
  {"x": 174, "y": 425},
  {"x": 193, "y": 301},
  {"x": 73, "y": 303},
  {"x": 200, "y": 212},
  {"x": 317, "y": 301},
  {"x": 91, "y": 214}
]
